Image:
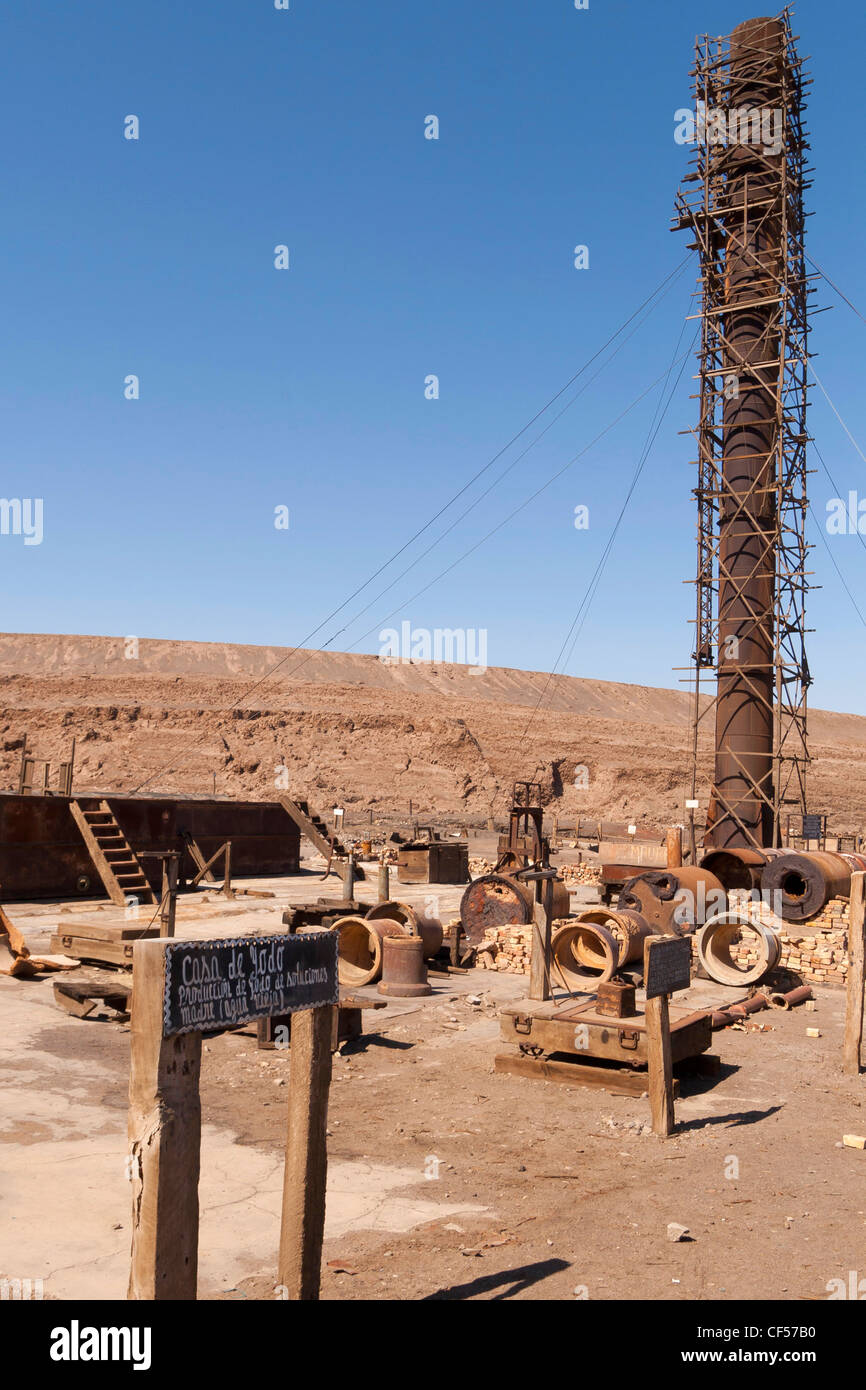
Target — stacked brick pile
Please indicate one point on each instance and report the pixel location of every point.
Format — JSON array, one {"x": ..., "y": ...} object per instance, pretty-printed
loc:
[
  {"x": 817, "y": 950},
  {"x": 479, "y": 867},
  {"x": 507, "y": 949},
  {"x": 572, "y": 874}
]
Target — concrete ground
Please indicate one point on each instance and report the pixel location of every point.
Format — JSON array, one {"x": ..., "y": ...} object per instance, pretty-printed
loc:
[{"x": 446, "y": 1179}]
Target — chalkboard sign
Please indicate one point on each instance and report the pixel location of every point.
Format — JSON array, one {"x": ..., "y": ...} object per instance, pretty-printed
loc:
[
  {"x": 218, "y": 984},
  {"x": 667, "y": 965},
  {"x": 813, "y": 827}
]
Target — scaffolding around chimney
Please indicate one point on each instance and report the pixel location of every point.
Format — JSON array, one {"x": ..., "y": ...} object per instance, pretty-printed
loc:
[{"x": 743, "y": 203}]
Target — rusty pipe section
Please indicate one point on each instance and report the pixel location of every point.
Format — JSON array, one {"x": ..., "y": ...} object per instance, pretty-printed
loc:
[
  {"x": 589, "y": 950},
  {"x": 792, "y": 998},
  {"x": 429, "y": 928},
  {"x": 723, "y": 1018},
  {"x": 741, "y": 807},
  {"x": 806, "y": 881},
  {"x": 739, "y": 868},
  {"x": 724, "y": 943}
]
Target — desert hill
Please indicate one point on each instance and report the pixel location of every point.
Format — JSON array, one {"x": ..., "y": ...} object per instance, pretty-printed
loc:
[{"x": 182, "y": 716}]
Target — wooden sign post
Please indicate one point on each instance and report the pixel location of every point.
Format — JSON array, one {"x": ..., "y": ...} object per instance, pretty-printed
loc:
[
  {"x": 667, "y": 968},
  {"x": 542, "y": 931},
  {"x": 180, "y": 990},
  {"x": 856, "y": 954}
]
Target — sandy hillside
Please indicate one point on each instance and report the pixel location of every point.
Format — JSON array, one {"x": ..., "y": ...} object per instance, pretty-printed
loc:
[{"x": 182, "y": 716}]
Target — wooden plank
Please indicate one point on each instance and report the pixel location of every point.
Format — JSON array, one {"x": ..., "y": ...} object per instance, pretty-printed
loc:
[
  {"x": 164, "y": 1140},
  {"x": 303, "y": 1220},
  {"x": 660, "y": 1065},
  {"x": 107, "y": 931},
  {"x": 856, "y": 952},
  {"x": 198, "y": 859},
  {"x": 620, "y": 1083},
  {"x": 539, "y": 968}
]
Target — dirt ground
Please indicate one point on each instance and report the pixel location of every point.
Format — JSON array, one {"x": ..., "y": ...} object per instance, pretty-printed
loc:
[{"x": 447, "y": 1180}]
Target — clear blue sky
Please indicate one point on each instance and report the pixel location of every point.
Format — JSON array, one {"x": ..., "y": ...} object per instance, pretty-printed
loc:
[{"x": 408, "y": 257}]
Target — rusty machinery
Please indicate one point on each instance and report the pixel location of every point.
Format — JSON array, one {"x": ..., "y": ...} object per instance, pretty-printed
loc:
[
  {"x": 507, "y": 897},
  {"x": 525, "y": 842},
  {"x": 746, "y": 216}
]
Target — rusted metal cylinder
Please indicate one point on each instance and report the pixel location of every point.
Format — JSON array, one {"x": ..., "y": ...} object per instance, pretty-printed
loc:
[
  {"x": 801, "y": 884},
  {"x": 428, "y": 928},
  {"x": 359, "y": 951},
  {"x": 394, "y": 911},
  {"x": 739, "y": 868},
  {"x": 404, "y": 973},
  {"x": 718, "y": 938},
  {"x": 723, "y": 1018},
  {"x": 590, "y": 950},
  {"x": 741, "y": 810},
  {"x": 501, "y": 900},
  {"x": 674, "y": 901},
  {"x": 792, "y": 998}
]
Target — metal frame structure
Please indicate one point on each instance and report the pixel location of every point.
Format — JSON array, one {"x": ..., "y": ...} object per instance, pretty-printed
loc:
[{"x": 745, "y": 211}]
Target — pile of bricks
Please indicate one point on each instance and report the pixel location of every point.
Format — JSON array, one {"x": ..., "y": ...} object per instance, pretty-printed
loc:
[
  {"x": 479, "y": 867},
  {"x": 816, "y": 950},
  {"x": 507, "y": 949},
  {"x": 581, "y": 873}
]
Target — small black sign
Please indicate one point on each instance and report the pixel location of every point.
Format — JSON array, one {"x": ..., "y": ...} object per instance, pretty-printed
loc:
[
  {"x": 218, "y": 984},
  {"x": 668, "y": 965},
  {"x": 813, "y": 827}
]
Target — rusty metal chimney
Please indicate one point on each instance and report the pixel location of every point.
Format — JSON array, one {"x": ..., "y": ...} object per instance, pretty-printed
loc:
[
  {"x": 743, "y": 782},
  {"x": 745, "y": 212}
]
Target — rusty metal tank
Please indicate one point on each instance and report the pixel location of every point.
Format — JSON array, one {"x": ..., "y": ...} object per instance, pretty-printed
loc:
[
  {"x": 674, "y": 901},
  {"x": 501, "y": 900},
  {"x": 739, "y": 868}
]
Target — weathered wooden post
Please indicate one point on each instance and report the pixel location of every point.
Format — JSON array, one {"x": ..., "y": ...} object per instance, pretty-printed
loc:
[
  {"x": 184, "y": 988},
  {"x": 674, "y": 847},
  {"x": 164, "y": 1138},
  {"x": 542, "y": 931},
  {"x": 303, "y": 1224},
  {"x": 667, "y": 968},
  {"x": 384, "y": 883}
]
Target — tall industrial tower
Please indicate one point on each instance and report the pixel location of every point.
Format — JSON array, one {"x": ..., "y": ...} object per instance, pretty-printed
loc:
[{"x": 744, "y": 206}]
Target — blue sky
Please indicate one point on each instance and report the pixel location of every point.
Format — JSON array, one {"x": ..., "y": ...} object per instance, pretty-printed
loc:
[{"x": 409, "y": 257}]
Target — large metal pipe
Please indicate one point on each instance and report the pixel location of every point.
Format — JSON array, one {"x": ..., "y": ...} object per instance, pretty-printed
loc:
[
  {"x": 741, "y": 810},
  {"x": 739, "y": 868},
  {"x": 805, "y": 882},
  {"x": 674, "y": 901}
]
